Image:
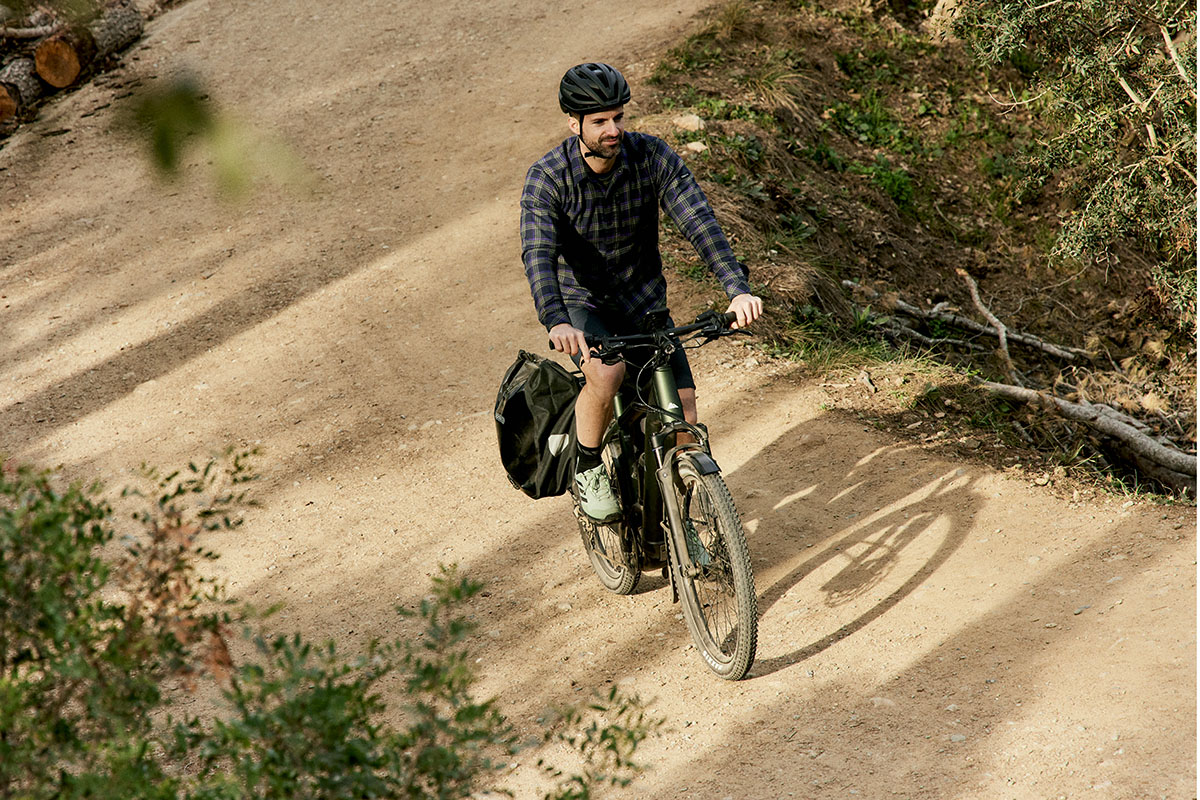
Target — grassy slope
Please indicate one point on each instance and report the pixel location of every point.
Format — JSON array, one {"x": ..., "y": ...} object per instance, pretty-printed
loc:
[{"x": 847, "y": 145}]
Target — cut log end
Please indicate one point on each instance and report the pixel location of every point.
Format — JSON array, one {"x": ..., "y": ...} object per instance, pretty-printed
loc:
[
  {"x": 10, "y": 102},
  {"x": 61, "y": 59}
]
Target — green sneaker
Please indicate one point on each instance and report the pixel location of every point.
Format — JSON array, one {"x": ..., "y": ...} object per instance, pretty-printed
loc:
[{"x": 595, "y": 495}]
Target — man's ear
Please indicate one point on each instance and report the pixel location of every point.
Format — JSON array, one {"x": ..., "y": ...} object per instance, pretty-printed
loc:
[{"x": 573, "y": 123}]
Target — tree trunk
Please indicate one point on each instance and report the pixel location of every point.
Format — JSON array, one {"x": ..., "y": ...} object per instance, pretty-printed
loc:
[
  {"x": 19, "y": 87},
  {"x": 116, "y": 29},
  {"x": 61, "y": 59}
]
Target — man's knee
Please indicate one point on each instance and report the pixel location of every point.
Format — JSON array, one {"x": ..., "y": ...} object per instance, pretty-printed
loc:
[{"x": 604, "y": 379}]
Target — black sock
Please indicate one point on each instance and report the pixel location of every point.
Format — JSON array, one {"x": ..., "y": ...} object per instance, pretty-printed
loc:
[{"x": 587, "y": 458}]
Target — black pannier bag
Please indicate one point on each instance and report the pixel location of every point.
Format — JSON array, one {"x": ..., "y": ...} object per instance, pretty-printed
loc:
[{"x": 535, "y": 425}]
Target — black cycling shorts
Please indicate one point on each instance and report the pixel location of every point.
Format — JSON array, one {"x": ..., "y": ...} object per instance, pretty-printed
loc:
[{"x": 599, "y": 323}]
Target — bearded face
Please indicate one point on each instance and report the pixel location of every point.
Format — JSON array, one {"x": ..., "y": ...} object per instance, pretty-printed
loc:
[{"x": 601, "y": 132}]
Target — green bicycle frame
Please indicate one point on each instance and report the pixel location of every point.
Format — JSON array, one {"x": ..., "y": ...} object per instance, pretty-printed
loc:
[{"x": 663, "y": 421}]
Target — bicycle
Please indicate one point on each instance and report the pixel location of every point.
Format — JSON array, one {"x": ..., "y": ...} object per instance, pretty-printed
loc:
[{"x": 677, "y": 513}]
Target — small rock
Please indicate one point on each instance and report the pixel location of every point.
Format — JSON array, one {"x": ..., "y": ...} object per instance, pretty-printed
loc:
[
  {"x": 1042, "y": 480},
  {"x": 971, "y": 443},
  {"x": 695, "y": 147},
  {"x": 689, "y": 122},
  {"x": 957, "y": 737}
]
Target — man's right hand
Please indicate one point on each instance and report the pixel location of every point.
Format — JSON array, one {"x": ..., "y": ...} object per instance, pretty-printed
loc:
[{"x": 568, "y": 339}]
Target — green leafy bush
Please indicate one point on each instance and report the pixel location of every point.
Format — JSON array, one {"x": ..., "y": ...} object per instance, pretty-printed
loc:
[
  {"x": 81, "y": 671},
  {"x": 895, "y": 183},
  {"x": 93, "y": 642},
  {"x": 1116, "y": 82}
]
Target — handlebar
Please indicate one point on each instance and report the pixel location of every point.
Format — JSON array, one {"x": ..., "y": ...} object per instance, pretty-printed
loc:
[{"x": 712, "y": 323}]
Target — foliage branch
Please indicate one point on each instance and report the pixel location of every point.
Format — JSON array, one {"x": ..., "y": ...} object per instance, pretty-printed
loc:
[
  {"x": 102, "y": 628},
  {"x": 1116, "y": 78}
]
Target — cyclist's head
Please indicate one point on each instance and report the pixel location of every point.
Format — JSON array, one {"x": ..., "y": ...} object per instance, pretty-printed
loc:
[{"x": 588, "y": 88}]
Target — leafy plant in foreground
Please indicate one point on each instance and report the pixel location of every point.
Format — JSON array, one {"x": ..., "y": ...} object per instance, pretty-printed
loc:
[{"x": 93, "y": 644}]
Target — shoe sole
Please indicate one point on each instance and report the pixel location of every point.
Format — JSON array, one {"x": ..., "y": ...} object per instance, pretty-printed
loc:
[{"x": 611, "y": 518}]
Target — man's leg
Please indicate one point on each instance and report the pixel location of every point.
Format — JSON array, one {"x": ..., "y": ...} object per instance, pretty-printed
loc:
[
  {"x": 687, "y": 399},
  {"x": 593, "y": 409}
]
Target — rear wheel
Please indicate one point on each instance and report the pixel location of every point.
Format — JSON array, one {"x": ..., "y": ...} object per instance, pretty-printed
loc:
[
  {"x": 717, "y": 591},
  {"x": 609, "y": 546}
]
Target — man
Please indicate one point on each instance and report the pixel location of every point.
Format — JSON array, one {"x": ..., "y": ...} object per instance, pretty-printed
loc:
[{"x": 589, "y": 235}]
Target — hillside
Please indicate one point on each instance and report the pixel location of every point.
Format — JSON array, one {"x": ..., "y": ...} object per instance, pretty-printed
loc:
[{"x": 868, "y": 147}]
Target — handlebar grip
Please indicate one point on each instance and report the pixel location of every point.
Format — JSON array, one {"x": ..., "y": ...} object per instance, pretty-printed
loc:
[{"x": 729, "y": 318}]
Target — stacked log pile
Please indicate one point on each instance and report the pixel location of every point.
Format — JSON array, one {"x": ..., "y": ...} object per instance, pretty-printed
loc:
[{"x": 47, "y": 53}]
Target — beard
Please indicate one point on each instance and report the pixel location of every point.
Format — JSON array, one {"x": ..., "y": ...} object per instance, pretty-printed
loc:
[{"x": 603, "y": 149}]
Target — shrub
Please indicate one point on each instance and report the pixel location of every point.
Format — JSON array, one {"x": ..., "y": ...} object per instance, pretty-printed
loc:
[
  {"x": 1116, "y": 82},
  {"x": 92, "y": 642}
]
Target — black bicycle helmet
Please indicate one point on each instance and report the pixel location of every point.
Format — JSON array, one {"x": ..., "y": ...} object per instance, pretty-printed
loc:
[{"x": 588, "y": 88}]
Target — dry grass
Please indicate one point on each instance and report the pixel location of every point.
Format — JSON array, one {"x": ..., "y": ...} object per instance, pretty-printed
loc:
[{"x": 734, "y": 20}]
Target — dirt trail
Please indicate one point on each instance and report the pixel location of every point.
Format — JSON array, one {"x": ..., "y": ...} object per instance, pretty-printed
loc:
[{"x": 929, "y": 629}]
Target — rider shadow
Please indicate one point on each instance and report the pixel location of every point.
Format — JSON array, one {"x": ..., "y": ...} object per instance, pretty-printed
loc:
[
  {"x": 651, "y": 582},
  {"x": 856, "y": 545}
]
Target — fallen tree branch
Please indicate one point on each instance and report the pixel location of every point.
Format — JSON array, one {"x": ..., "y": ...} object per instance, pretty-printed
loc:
[
  {"x": 27, "y": 33},
  {"x": 1001, "y": 330},
  {"x": 905, "y": 332},
  {"x": 1104, "y": 421},
  {"x": 1065, "y": 353}
]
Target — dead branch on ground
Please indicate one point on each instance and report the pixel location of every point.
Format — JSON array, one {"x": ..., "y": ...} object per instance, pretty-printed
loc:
[
  {"x": 1171, "y": 467},
  {"x": 1069, "y": 354},
  {"x": 27, "y": 33},
  {"x": 1001, "y": 329}
]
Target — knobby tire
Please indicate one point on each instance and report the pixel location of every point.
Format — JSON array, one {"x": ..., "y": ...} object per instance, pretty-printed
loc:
[{"x": 719, "y": 602}]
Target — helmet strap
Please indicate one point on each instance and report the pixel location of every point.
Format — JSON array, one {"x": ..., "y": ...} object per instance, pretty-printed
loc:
[{"x": 582, "y": 144}]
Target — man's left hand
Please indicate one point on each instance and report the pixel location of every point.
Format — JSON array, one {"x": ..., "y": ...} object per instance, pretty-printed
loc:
[{"x": 747, "y": 307}]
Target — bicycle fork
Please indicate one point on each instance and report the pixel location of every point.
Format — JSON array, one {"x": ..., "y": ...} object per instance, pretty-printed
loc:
[{"x": 662, "y": 457}]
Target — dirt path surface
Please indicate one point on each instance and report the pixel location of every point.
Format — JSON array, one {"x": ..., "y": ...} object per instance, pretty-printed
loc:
[{"x": 929, "y": 629}]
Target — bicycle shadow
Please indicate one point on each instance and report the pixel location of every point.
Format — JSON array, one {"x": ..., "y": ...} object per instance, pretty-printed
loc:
[{"x": 844, "y": 568}]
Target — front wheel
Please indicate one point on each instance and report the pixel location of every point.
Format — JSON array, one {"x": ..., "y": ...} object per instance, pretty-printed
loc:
[{"x": 717, "y": 590}]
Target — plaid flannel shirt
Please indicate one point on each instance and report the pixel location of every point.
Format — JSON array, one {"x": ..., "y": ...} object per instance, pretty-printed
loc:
[{"x": 591, "y": 241}]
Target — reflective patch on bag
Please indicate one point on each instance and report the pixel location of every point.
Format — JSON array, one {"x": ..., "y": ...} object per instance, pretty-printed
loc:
[{"x": 557, "y": 443}]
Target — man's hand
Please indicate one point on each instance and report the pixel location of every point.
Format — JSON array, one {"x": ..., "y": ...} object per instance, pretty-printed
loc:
[
  {"x": 570, "y": 340},
  {"x": 747, "y": 307}
]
